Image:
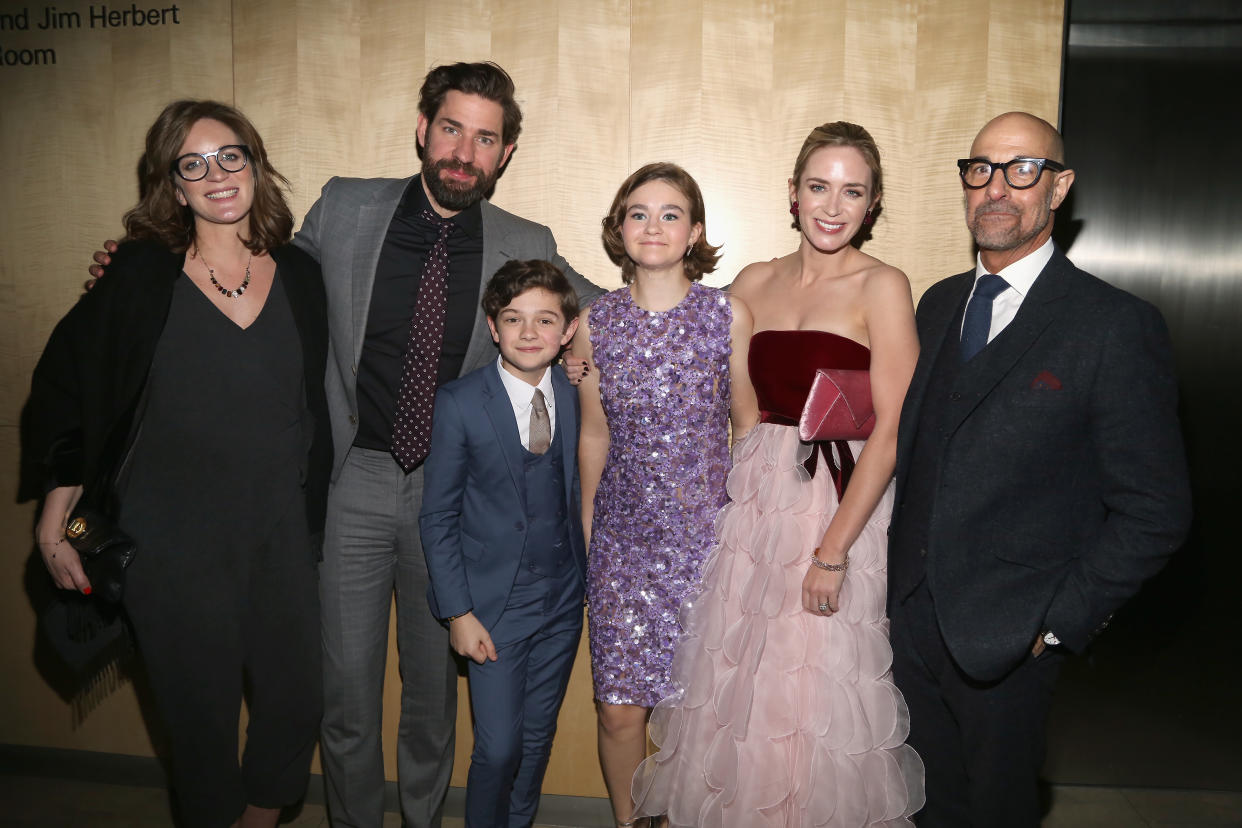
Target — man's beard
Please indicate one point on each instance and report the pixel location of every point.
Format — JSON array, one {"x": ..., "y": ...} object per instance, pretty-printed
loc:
[
  {"x": 450, "y": 195},
  {"x": 1008, "y": 238}
]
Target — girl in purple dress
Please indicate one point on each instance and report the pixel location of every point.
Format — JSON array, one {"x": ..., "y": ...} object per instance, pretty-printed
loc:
[{"x": 670, "y": 355}]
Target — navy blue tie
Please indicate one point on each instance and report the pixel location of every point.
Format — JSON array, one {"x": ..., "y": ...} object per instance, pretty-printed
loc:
[{"x": 978, "y": 320}]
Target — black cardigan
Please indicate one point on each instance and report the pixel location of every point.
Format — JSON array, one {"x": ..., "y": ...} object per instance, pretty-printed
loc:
[{"x": 87, "y": 383}]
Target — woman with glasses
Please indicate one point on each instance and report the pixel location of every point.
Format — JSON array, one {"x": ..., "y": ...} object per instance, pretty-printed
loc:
[{"x": 193, "y": 374}]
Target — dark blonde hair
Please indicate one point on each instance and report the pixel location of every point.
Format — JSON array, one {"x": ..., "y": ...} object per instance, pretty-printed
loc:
[
  {"x": 158, "y": 215},
  {"x": 702, "y": 257},
  {"x": 841, "y": 134}
]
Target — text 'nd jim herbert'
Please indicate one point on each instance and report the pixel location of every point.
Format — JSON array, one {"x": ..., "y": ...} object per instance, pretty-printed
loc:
[{"x": 97, "y": 17}]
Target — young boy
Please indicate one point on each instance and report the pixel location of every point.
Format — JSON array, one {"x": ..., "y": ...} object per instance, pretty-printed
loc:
[{"x": 502, "y": 532}]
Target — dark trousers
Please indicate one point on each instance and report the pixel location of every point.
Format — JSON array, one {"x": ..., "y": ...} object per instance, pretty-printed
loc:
[
  {"x": 206, "y": 631},
  {"x": 515, "y": 699},
  {"x": 982, "y": 742}
]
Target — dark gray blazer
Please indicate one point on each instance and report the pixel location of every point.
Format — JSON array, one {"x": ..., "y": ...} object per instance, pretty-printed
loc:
[
  {"x": 345, "y": 231},
  {"x": 1061, "y": 484}
]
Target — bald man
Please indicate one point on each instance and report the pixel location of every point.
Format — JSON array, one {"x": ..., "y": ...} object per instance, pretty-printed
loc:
[{"x": 1040, "y": 479}]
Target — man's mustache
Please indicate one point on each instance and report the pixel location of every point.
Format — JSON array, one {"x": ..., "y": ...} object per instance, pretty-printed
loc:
[
  {"x": 998, "y": 208},
  {"x": 458, "y": 166}
]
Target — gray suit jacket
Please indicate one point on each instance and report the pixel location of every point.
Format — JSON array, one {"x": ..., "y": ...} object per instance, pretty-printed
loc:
[
  {"x": 345, "y": 231},
  {"x": 1060, "y": 482}
]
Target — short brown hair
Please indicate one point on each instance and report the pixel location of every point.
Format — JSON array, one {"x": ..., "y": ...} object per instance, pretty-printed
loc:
[
  {"x": 158, "y": 215},
  {"x": 487, "y": 80},
  {"x": 841, "y": 134},
  {"x": 703, "y": 256},
  {"x": 515, "y": 277}
]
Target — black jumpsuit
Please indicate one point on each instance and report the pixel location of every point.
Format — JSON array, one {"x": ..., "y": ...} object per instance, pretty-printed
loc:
[{"x": 223, "y": 592}]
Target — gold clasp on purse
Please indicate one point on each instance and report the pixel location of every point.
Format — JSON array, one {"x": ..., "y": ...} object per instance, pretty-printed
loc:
[{"x": 76, "y": 528}]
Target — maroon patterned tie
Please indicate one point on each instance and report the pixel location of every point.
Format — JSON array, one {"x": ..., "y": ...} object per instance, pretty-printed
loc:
[{"x": 411, "y": 428}]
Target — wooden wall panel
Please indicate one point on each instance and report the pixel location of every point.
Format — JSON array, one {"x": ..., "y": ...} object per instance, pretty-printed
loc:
[{"x": 726, "y": 88}]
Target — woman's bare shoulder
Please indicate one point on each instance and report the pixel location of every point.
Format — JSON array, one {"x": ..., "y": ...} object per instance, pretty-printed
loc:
[{"x": 755, "y": 275}]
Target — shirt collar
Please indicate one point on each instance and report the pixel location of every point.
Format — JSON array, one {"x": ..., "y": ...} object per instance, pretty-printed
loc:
[
  {"x": 1021, "y": 274},
  {"x": 521, "y": 392},
  {"x": 469, "y": 221}
]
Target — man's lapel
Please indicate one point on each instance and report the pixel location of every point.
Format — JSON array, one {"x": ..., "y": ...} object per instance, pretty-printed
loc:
[
  {"x": 1040, "y": 309},
  {"x": 938, "y": 329},
  {"x": 497, "y": 250},
  {"x": 500, "y": 412},
  {"x": 374, "y": 218}
]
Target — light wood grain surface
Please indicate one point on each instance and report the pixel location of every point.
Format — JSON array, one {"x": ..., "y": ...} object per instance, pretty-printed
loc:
[{"x": 726, "y": 88}]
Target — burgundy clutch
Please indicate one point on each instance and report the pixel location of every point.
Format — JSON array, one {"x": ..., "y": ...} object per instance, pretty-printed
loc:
[{"x": 838, "y": 407}]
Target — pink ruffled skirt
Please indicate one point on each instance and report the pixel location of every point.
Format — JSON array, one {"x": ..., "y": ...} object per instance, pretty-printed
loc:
[{"x": 781, "y": 717}]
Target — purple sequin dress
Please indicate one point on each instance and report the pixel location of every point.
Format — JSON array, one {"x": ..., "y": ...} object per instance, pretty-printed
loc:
[{"x": 664, "y": 384}]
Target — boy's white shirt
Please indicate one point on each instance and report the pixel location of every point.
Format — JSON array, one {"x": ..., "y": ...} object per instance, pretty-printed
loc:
[{"x": 521, "y": 393}]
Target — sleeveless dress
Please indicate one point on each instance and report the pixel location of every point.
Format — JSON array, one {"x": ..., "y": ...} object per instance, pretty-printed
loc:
[
  {"x": 781, "y": 717},
  {"x": 664, "y": 385}
]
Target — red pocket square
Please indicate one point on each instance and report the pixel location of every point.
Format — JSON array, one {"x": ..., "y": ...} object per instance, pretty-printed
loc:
[
  {"x": 1046, "y": 381},
  {"x": 838, "y": 407}
]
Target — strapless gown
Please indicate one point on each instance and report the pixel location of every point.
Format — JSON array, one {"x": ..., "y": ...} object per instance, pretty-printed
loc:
[{"x": 781, "y": 717}]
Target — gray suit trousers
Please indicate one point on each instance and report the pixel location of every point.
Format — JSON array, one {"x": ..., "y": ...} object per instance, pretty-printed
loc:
[{"x": 371, "y": 549}]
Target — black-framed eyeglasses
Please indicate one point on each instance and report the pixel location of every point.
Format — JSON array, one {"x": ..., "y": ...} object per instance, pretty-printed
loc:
[
  {"x": 193, "y": 166},
  {"x": 1020, "y": 173}
]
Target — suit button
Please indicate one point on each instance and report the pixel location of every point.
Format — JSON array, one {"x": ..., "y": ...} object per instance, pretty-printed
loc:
[
  {"x": 922, "y": 553},
  {"x": 955, "y": 396},
  {"x": 353, "y": 419},
  {"x": 518, "y": 527},
  {"x": 354, "y": 368}
]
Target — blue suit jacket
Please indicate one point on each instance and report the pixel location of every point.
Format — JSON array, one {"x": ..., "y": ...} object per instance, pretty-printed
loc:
[{"x": 473, "y": 519}]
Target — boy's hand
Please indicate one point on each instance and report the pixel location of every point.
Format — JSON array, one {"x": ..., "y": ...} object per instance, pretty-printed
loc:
[{"x": 470, "y": 639}]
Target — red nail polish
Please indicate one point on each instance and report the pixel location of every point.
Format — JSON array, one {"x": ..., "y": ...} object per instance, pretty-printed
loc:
[{"x": 86, "y": 591}]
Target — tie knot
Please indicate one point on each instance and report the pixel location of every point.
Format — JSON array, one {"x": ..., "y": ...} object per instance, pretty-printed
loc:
[
  {"x": 442, "y": 225},
  {"x": 990, "y": 286}
]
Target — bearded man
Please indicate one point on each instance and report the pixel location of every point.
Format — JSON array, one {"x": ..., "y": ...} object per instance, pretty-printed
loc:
[{"x": 404, "y": 262}]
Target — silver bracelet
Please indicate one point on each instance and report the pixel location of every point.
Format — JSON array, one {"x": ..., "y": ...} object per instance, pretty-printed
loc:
[{"x": 841, "y": 567}]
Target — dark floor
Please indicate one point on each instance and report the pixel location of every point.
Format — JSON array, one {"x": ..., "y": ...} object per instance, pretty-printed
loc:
[{"x": 44, "y": 802}]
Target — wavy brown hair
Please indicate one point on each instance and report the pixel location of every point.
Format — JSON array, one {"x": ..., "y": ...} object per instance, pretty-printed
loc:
[
  {"x": 487, "y": 80},
  {"x": 159, "y": 216},
  {"x": 842, "y": 134},
  {"x": 703, "y": 256},
  {"x": 515, "y": 277}
]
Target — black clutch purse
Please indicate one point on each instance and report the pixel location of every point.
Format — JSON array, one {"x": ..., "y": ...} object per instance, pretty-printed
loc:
[{"x": 105, "y": 551}]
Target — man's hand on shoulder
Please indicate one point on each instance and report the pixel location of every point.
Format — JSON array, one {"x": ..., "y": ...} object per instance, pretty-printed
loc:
[
  {"x": 470, "y": 639},
  {"x": 102, "y": 258}
]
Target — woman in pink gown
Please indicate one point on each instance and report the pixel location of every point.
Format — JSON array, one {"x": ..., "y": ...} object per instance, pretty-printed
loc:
[{"x": 785, "y": 713}]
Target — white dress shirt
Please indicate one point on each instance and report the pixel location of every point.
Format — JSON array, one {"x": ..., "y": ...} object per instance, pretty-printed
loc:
[
  {"x": 1019, "y": 276},
  {"x": 521, "y": 393}
]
